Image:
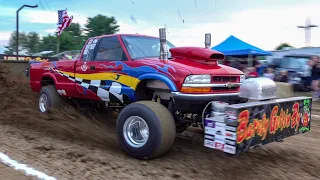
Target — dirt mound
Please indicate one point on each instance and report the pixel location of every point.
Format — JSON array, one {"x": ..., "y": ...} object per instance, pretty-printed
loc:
[{"x": 19, "y": 106}]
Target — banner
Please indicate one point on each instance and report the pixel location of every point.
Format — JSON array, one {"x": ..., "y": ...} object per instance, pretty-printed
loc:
[
  {"x": 26, "y": 58},
  {"x": 248, "y": 125}
]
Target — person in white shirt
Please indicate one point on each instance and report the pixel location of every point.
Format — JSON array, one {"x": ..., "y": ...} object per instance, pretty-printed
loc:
[
  {"x": 269, "y": 74},
  {"x": 306, "y": 78}
]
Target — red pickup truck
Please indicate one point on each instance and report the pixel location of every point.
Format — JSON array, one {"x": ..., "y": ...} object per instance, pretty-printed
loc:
[{"x": 159, "y": 93}]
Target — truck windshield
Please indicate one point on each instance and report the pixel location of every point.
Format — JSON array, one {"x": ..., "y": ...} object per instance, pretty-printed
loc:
[
  {"x": 294, "y": 62},
  {"x": 143, "y": 47}
]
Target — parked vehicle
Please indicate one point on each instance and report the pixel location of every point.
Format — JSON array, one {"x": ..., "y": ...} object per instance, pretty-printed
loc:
[
  {"x": 72, "y": 54},
  {"x": 161, "y": 93},
  {"x": 294, "y": 65}
]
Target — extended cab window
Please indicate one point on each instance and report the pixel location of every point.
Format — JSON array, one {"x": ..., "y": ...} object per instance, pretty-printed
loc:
[
  {"x": 140, "y": 47},
  {"x": 109, "y": 49}
]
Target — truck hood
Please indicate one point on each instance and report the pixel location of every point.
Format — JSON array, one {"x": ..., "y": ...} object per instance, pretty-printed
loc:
[
  {"x": 197, "y": 54},
  {"x": 199, "y": 60},
  {"x": 198, "y": 68}
]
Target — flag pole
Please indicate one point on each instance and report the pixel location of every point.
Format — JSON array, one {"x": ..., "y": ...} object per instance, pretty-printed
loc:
[{"x": 58, "y": 44}]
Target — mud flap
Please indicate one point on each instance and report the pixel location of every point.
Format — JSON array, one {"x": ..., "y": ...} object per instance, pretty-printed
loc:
[{"x": 253, "y": 124}]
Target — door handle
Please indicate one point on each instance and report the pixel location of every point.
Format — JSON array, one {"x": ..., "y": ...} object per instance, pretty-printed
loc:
[{"x": 92, "y": 67}]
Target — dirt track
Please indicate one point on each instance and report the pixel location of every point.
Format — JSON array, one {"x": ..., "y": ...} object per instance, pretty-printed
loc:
[{"x": 72, "y": 145}]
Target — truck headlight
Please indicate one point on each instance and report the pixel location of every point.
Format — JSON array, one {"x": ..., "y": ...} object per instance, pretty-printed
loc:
[
  {"x": 242, "y": 78},
  {"x": 198, "y": 79}
]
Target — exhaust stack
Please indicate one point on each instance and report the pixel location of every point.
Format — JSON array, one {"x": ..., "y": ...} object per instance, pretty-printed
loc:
[
  {"x": 163, "y": 44},
  {"x": 207, "y": 40}
]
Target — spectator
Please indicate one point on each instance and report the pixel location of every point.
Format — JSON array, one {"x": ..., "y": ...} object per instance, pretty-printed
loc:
[
  {"x": 255, "y": 62},
  {"x": 315, "y": 74},
  {"x": 235, "y": 64},
  {"x": 269, "y": 74},
  {"x": 244, "y": 70},
  {"x": 306, "y": 79},
  {"x": 283, "y": 76},
  {"x": 261, "y": 68},
  {"x": 253, "y": 72}
]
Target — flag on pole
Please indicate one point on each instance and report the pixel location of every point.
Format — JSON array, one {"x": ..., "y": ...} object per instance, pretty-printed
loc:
[{"x": 64, "y": 20}]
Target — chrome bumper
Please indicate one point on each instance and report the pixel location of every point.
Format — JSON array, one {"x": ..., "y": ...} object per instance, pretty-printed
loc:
[{"x": 205, "y": 97}]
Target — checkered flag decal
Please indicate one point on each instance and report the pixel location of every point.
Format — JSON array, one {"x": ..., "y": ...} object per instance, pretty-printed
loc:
[{"x": 99, "y": 87}]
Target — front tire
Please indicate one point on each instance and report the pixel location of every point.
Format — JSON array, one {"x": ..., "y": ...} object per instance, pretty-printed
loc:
[
  {"x": 49, "y": 99},
  {"x": 145, "y": 129}
]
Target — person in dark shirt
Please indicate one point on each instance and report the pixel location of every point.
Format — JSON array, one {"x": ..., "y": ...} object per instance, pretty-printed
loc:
[
  {"x": 315, "y": 74},
  {"x": 283, "y": 76}
]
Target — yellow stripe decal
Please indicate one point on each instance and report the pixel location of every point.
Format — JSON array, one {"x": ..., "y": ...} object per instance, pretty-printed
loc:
[{"x": 123, "y": 79}]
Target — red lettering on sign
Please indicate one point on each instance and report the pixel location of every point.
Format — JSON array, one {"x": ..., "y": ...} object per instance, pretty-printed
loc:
[
  {"x": 273, "y": 119},
  {"x": 249, "y": 131},
  {"x": 305, "y": 120},
  {"x": 243, "y": 119},
  {"x": 295, "y": 116},
  {"x": 261, "y": 127}
]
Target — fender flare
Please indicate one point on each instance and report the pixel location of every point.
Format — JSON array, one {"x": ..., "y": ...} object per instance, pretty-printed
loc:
[
  {"x": 49, "y": 75},
  {"x": 168, "y": 81}
]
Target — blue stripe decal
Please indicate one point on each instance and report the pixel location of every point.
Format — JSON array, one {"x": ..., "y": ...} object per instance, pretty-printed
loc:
[{"x": 160, "y": 77}]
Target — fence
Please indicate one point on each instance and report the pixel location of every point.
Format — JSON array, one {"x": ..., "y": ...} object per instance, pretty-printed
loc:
[{"x": 19, "y": 66}]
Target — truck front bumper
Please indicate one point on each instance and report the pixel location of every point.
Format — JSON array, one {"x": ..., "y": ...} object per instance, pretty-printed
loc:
[{"x": 195, "y": 103}]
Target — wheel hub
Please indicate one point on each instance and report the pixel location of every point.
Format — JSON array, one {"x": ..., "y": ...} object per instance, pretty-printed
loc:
[
  {"x": 43, "y": 103},
  {"x": 136, "y": 131}
]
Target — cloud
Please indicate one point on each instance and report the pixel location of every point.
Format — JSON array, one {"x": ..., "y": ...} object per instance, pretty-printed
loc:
[
  {"x": 264, "y": 28},
  {"x": 50, "y": 30},
  {"x": 40, "y": 16},
  {"x": 50, "y": 17},
  {"x": 3, "y": 43},
  {"x": 5, "y": 35},
  {"x": 4, "y": 38}
]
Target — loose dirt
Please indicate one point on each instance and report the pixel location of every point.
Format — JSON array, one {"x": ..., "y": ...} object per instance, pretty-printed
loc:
[
  {"x": 79, "y": 144},
  {"x": 8, "y": 173}
]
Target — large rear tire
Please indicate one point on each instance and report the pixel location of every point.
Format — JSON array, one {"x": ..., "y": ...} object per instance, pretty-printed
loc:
[
  {"x": 146, "y": 129},
  {"x": 49, "y": 99}
]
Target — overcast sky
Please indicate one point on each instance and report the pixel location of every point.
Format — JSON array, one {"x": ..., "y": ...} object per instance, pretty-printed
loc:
[{"x": 263, "y": 23}]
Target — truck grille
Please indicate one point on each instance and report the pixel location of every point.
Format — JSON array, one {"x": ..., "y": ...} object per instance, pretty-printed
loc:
[{"x": 223, "y": 80}]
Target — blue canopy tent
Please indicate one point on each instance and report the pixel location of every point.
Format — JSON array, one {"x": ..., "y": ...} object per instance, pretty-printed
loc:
[{"x": 233, "y": 46}]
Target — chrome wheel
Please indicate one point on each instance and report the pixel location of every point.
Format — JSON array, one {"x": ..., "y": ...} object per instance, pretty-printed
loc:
[
  {"x": 43, "y": 103},
  {"x": 136, "y": 131}
]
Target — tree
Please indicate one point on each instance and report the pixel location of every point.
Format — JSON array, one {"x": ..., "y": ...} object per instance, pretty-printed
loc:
[
  {"x": 74, "y": 29},
  {"x": 282, "y": 46},
  {"x": 76, "y": 33},
  {"x": 48, "y": 43},
  {"x": 31, "y": 44},
  {"x": 66, "y": 42},
  {"x": 72, "y": 38},
  {"x": 11, "y": 48},
  {"x": 101, "y": 25}
]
